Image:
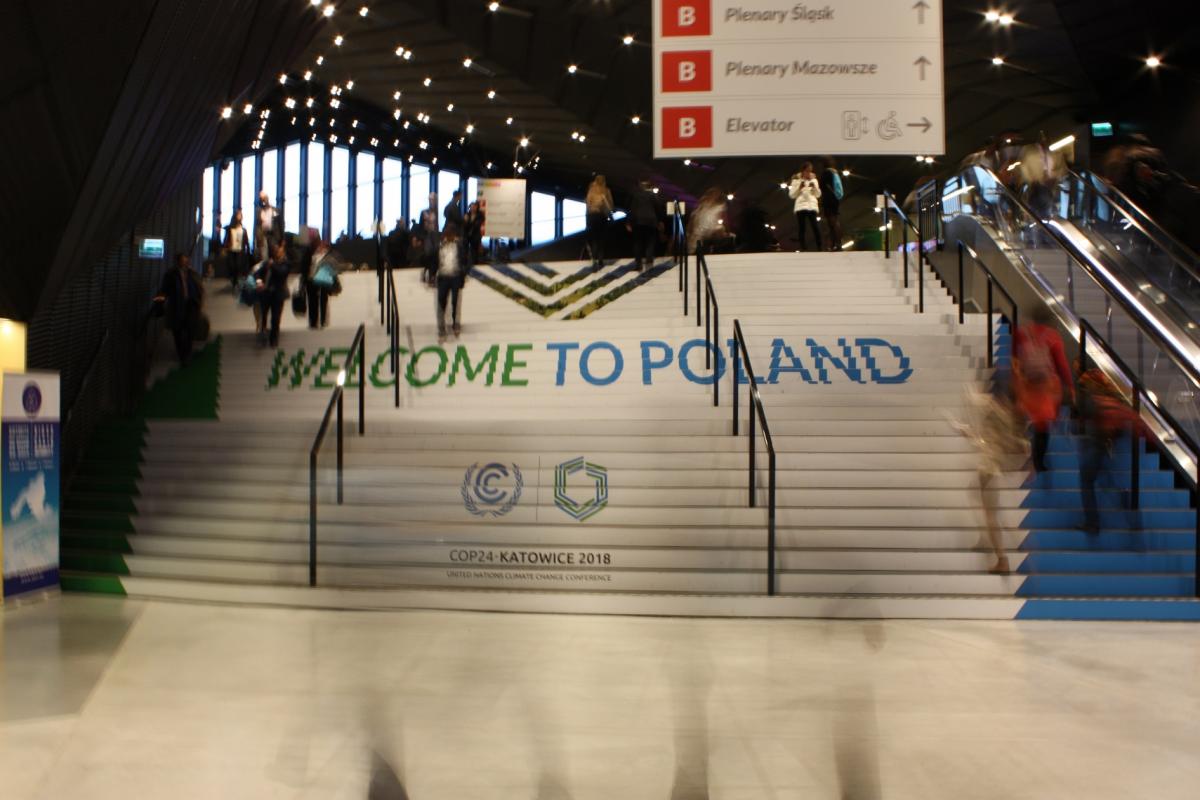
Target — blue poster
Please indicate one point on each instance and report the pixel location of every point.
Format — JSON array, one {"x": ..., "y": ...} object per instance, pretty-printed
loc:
[{"x": 30, "y": 448}]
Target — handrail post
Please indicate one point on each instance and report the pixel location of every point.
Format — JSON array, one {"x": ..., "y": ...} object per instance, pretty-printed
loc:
[
  {"x": 962, "y": 289},
  {"x": 750, "y": 439},
  {"x": 707, "y": 327},
  {"x": 340, "y": 446},
  {"x": 990, "y": 348},
  {"x": 771, "y": 524},
  {"x": 921, "y": 280},
  {"x": 887, "y": 237},
  {"x": 737, "y": 373},
  {"x": 716, "y": 346},
  {"x": 1135, "y": 447},
  {"x": 699, "y": 257},
  {"x": 312, "y": 517},
  {"x": 905, "y": 229},
  {"x": 362, "y": 384}
]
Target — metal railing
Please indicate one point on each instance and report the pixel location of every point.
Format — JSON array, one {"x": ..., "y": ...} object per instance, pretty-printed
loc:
[
  {"x": 757, "y": 411},
  {"x": 1014, "y": 320},
  {"x": 1140, "y": 397},
  {"x": 889, "y": 205},
  {"x": 393, "y": 330},
  {"x": 358, "y": 345},
  {"x": 679, "y": 238}
]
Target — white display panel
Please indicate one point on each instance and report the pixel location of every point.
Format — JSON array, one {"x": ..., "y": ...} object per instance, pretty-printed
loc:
[{"x": 762, "y": 78}]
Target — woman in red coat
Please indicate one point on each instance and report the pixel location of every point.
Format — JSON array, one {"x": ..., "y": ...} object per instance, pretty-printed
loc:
[{"x": 1042, "y": 379}]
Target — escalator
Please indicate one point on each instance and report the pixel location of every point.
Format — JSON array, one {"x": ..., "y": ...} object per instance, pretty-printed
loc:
[{"x": 1092, "y": 255}]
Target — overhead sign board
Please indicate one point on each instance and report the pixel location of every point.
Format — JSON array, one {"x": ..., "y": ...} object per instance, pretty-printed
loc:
[
  {"x": 762, "y": 78},
  {"x": 503, "y": 204}
]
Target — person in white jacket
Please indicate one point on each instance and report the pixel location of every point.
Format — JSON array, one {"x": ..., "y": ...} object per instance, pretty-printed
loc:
[{"x": 806, "y": 191}]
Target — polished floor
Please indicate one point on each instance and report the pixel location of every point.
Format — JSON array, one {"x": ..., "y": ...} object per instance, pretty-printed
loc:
[{"x": 108, "y": 698}]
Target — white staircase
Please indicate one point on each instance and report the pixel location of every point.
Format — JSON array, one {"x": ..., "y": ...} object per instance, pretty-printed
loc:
[{"x": 877, "y": 507}]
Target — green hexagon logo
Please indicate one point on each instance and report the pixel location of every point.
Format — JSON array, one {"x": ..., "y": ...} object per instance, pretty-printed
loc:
[{"x": 588, "y": 506}]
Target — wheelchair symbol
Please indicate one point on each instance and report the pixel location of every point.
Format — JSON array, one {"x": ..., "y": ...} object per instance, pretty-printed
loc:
[{"x": 889, "y": 128}]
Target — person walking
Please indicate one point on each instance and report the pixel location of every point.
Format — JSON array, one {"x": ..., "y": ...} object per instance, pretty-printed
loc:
[
  {"x": 274, "y": 292},
  {"x": 451, "y": 277},
  {"x": 268, "y": 227},
  {"x": 1042, "y": 378},
  {"x": 397, "y": 244},
  {"x": 183, "y": 296},
  {"x": 643, "y": 224},
  {"x": 236, "y": 249},
  {"x": 806, "y": 191},
  {"x": 452, "y": 214},
  {"x": 831, "y": 203},
  {"x": 473, "y": 233},
  {"x": 430, "y": 239},
  {"x": 599, "y": 202},
  {"x": 323, "y": 277}
]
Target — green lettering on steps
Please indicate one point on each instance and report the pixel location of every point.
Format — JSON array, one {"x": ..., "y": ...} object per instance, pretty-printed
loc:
[
  {"x": 411, "y": 372},
  {"x": 381, "y": 365},
  {"x": 510, "y": 363},
  {"x": 294, "y": 369},
  {"x": 462, "y": 359}
]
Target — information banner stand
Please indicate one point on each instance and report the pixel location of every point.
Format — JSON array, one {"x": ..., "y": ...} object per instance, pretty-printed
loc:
[
  {"x": 30, "y": 459},
  {"x": 503, "y": 201}
]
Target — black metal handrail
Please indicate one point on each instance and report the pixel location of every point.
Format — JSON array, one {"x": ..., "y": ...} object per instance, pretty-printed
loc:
[
  {"x": 889, "y": 203},
  {"x": 679, "y": 235},
  {"x": 393, "y": 330},
  {"x": 759, "y": 412},
  {"x": 358, "y": 345},
  {"x": 1139, "y": 395},
  {"x": 712, "y": 319},
  {"x": 1015, "y": 319},
  {"x": 1136, "y": 316}
]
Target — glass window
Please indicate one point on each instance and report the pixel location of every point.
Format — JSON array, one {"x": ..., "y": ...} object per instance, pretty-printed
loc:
[
  {"x": 393, "y": 192},
  {"x": 206, "y": 203},
  {"x": 541, "y": 219},
  {"x": 574, "y": 216},
  {"x": 472, "y": 190},
  {"x": 270, "y": 175},
  {"x": 291, "y": 188},
  {"x": 316, "y": 187},
  {"x": 339, "y": 193},
  {"x": 364, "y": 195},
  {"x": 447, "y": 185},
  {"x": 249, "y": 191},
  {"x": 418, "y": 190},
  {"x": 227, "y": 200}
]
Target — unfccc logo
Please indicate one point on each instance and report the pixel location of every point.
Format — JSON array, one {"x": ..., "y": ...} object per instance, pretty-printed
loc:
[
  {"x": 485, "y": 499},
  {"x": 596, "y": 499}
]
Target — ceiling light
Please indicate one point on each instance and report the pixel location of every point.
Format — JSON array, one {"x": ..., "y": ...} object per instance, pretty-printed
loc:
[
  {"x": 635, "y": 119},
  {"x": 572, "y": 68},
  {"x": 1006, "y": 20},
  {"x": 493, "y": 6},
  {"x": 845, "y": 173},
  {"x": 333, "y": 138},
  {"x": 449, "y": 106},
  {"x": 729, "y": 197},
  {"x": 470, "y": 128},
  {"x": 308, "y": 103},
  {"x": 400, "y": 50},
  {"x": 246, "y": 109},
  {"x": 351, "y": 141},
  {"x": 320, "y": 60},
  {"x": 1063, "y": 142},
  {"x": 655, "y": 190},
  {"x": 226, "y": 112},
  {"x": 489, "y": 165},
  {"x": 362, "y": 12},
  {"x": 354, "y": 124},
  {"x": 328, "y": 10},
  {"x": 308, "y": 74},
  {"x": 992, "y": 16},
  {"x": 1153, "y": 62},
  {"x": 998, "y": 61},
  {"x": 920, "y": 159},
  {"x": 928, "y": 159},
  {"x": 396, "y": 143},
  {"x": 627, "y": 40},
  {"x": 405, "y": 124},
  {"x": 508, "y": 121},
  {"x": 349, "y": 85},
  {"x": 339, "y": 39},
  {"x": 290, "y": 102},
  {"x": 687, "y": 162},
  {"x": 467, "y": 62},
  {"x": 427, "y": 82},
  {"x": 283, "y": 78},
  {"x": 491, "y": 94},
  {"x": 315, "y": 2},
  {"x": 396, "y": 114},
  {"x": 408, "y": 55},
  {"x": 524, "y": 141},
  {"x": 312, "y": 121},
  {"x": 335, "y": 103},
  {"x": 574, "y": 134},
  {"x": 396, "y": 95},
  {"x": 582, "y": 138},
  {"x": 435, "y": 161},
  {"x": 424, "y": 145},
  {"x": 784, "y": 186}
]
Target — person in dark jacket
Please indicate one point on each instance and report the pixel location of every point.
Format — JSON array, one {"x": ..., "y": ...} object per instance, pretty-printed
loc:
[
  {"x": 273, "y": 291},
  {"x": 397, "y": 244},
  {"x": 473, "y": 233},
  {"x": 451, "y": 277},
  {"x": 831, "y": 203},
  {"x": 643, "y": 224},
  {"x": 183, "y": 295},
  {"x": 453, "y": 214},
  {"x": 430, "y": 238},
  {"x": 236, "y": 248}
]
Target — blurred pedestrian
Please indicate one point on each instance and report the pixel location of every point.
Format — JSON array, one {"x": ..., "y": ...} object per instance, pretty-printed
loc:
[
  {"x": 453, "y": 214},
  {"x": 274, "y": 291},
  {"x": 182, "y": 296},
  {"x": 1041, "y": 378},
  {"x": 268, "y": 227},
  {"x": 599, "y": 203},
  {"x": 397, "y": 244},
  {"x": 643, "y": 224},
  {"x": 320, "y": 284},
  {"x": 707, "y": 222},
  {"x": 1104, "y": 418},
  {"x": 805, "y": 190},
  {"x": 451, "y": 277},
  {"x": 832, "y": 192},
  {"x": 473, "y": 233},
  {"x": 236, "y": 249}
]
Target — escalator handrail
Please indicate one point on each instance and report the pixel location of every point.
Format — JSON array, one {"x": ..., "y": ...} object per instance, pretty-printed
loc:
[
  {"x": 1127, "y": 205},
  {"x": 1180, "y": 360}
]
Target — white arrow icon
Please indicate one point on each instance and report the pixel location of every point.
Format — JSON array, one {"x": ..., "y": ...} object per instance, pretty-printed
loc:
[{"x": 922, "y": 63}]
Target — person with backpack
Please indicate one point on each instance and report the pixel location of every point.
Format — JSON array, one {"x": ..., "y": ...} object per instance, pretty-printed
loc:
[
  {"x": 1104, "y": 417},
  {"x": 1042, "y": 378},
  {"x": 831, "y": 202}
]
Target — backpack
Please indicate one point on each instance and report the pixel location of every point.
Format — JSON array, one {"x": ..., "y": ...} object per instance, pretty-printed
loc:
[{"x": 1037, "y": 363}]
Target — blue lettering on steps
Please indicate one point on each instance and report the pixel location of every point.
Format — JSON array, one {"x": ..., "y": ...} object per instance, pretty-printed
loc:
[
  {"x": 560, "y": 375},
  {"x": 585, "y": 359},
  {"x": 649, "y": 364}
]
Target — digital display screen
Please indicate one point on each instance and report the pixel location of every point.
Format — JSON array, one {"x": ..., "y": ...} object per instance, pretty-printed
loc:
[
  {"x": 151, "y": 248},
  {"x": 1100, "y": 129}
]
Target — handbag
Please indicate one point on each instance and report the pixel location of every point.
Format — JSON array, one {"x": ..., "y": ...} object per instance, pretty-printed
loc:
[
  {"x": 300, "y": 303},
  {"x": 326, "y": 276},
  {"x": 248, "y": 291}
]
